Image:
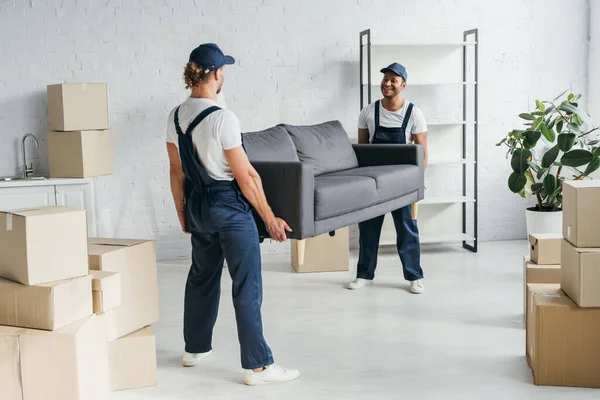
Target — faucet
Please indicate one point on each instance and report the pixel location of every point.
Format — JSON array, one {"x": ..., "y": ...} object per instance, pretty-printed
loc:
[{"x": 26, "y": 170}]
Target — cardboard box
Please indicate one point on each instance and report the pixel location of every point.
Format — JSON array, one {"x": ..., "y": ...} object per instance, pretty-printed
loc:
[
  {"x": 533, "y": 273},
  {"x": 132, "y": 360},
  {"x": 48, "y": 306},
  {"x": 44, "y": 244},
  {"x": 135, "y": 260},
  {"x": 80, "y": 154},
  {"x": 545, "y": 248},
  {"x": 564, "y": 341},
  {"x": 581, "y": 220},
  {"x": 323, "y": 253},
  {"x": 67, "y": 364},
  {"x": 106, "y": 287},
  {"x": 78, "y": 106},
  {"x": 531, "y": 289},
  {"x": 581, "y": 275}
]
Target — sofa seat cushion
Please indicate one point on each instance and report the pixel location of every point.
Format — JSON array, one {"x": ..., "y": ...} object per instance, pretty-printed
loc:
[
  {"x": 326, "y": 146},
  {"x": 273, "y": 144},
  {"x": 338, "y": 195},
  {"x": 392, "y": 181}
]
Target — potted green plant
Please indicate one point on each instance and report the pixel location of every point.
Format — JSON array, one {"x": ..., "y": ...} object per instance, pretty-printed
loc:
[{"x": 556, "y": 143}]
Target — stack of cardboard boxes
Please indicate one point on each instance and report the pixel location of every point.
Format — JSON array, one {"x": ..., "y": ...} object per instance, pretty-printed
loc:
[
  {"x": 563, "y": 321},
  {"x": 75, "y": 312}
]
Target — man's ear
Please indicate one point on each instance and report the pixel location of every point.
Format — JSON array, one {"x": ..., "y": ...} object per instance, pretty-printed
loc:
[{"x": 218, "y": 74}]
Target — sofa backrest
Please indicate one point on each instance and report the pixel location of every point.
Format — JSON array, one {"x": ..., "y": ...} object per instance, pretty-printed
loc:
[
  {"x": 273, "y": 144},
  {"x": 326, "y": 146}
]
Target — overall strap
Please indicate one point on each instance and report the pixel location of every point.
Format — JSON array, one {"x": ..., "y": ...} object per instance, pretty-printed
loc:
[
  {"x": 196, "y": 120},
  {"x": 407, "y": 117},
  {"x": 377, "y": 114}
]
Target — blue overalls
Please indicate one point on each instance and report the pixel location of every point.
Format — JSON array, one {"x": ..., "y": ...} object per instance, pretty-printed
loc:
[
  {"x": 222, "y": 227},
  {"x": 407, "y": 232}
]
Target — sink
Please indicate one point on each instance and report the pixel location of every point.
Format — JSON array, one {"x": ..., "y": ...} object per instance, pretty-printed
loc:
[{"x": 21, "y": 178}]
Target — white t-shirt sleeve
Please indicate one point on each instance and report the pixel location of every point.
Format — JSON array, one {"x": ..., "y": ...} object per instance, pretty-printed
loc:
[
  {"x": 362, "y": 119},
  {"x": 171, "y": 131},
  {"x": 419, "y": 125},
  {"x": 228, "y": 130}
]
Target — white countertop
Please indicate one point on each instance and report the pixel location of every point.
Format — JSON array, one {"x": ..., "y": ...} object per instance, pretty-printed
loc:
[{"x": 44, "y": 182}]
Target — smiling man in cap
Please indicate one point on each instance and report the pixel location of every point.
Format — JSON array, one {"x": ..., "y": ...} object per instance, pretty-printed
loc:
[
  {"x": 391, "y": 120},
  {"x": 215, "y": 188}
]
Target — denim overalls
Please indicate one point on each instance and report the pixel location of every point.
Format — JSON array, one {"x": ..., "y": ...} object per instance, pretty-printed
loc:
[
  {"x": 220, "y": 221},
  {"x": 407, "y": 233}
]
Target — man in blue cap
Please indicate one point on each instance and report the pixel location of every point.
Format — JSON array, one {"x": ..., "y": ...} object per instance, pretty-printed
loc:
[
  {"x": 215, "y": 187},
  {"x": 391, "y": 120}
]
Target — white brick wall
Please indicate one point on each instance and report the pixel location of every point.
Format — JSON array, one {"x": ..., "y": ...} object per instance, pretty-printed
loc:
[{"x": 297, "y": 63}]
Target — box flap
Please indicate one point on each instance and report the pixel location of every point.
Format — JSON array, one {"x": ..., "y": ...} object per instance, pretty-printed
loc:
[
  {"x": 532, "y": 240},
  {"x": 115, "y": 242},
  {"x": 99, "y": 276},
  {"x": 147, "y": 331},
  {"x": 593, "y": 183},
  {"x": 553, "y": 299},
  {"x": 39, "y": 211}
]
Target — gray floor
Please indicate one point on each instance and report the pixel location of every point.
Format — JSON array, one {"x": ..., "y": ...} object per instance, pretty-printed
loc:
[{"x": 463, "y": 338}]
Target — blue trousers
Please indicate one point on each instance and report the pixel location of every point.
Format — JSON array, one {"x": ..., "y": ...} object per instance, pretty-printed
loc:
[
  {"x": 223, "y": 228},
  {"x": 407, "y": 243}
]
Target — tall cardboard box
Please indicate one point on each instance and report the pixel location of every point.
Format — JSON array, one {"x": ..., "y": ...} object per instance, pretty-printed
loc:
[
  {"x": 581, "y": 275},
  {"x": 132, "y": 360},
  {"x": 564, "y": 342},
  {"x": 78, "y": 106},
  {"x": 323, "y": 253},
  {"x": 135, "y": 260},
  {"x": 533, "y": 273},
  {"x": 545, "y": 248},
  {"x": 43, "y": 244},
  {"x": 106, "y": 287},
  {"x": 80, "y": 154},
  {"x": 580, "y": 215},
  {"x": 48, "y": 306},
  {"x": 68, "y": 364},
  {"x": 549, "y": 289}
]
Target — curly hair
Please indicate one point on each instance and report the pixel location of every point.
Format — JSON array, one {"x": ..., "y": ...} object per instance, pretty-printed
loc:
[{"x": 194, "y": 75}]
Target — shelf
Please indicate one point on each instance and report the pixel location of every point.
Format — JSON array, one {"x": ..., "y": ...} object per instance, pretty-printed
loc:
[
  {"x": 450, "y": 238},
  {"x": 450, "y": 162},
  {"x": 409, "y": 83},
  {"x": 446, "y": 200},
  {"x": 425, "y": 45},
  {"x": 448, "y": 122}
]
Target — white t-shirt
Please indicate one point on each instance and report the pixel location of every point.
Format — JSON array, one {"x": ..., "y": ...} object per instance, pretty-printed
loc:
[
  {"x": 218, "y": 132},
  {"x": 392, "y": 119}
]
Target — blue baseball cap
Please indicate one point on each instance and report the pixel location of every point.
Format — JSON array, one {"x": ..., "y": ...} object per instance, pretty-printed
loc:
[
  {"x": 396, "y": 68},
  {"x": 209, "y": 56}
]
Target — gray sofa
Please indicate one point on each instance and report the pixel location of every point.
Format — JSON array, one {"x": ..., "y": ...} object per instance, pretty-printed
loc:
[{"x": 318, "y": 181}]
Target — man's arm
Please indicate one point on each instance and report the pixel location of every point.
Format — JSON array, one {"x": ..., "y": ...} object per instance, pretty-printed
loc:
[
  {"x": 177, "y": 182},
  {"x": 251, "y": 187},
  {"x": 363, "y": 136},
  {"x": 421, "y": 138}
]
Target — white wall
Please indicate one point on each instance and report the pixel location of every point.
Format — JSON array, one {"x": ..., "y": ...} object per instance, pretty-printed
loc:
[{"x": 298, "y": 63}]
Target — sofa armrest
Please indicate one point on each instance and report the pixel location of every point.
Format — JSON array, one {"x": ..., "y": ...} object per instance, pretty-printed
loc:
[
  {"x": 290, "y": 190},
  {"x": 389, "y": 154},
  {"x": 393, "y": 154}
]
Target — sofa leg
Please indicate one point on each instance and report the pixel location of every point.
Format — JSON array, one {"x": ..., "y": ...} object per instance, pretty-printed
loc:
[
  {"x": 300, "y": 250},
  {"x": 415, "y": 210}
]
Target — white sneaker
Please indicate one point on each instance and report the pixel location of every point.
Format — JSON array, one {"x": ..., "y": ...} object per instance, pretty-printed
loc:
[
  {"x": 417, "y": 287},
  {"x": 192, "y": 359},
  {"x": 272, "y": 374},
  {"x": 359, "y": 283}
]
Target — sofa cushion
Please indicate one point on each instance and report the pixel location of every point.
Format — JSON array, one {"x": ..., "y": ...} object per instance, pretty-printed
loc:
[
  {"x": 392, "y": 181},
  {"x": 273, "y": 144},
  {"x": 337, "y": 195},
  {"x": 326, "y": 146}
]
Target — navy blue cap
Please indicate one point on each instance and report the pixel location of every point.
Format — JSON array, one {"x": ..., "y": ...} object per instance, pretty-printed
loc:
[
  {"x": 209, "y": 56},
  {"x": 396, "y": 68}
]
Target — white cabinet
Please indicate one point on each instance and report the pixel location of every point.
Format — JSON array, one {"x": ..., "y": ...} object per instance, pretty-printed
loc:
[
  {"x": 76, "y": 193},
  {"x": 12, "y": 198}
]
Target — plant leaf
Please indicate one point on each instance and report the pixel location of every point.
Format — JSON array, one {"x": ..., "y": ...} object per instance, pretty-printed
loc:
[
  {"x": 568, "y": 108},
  {"x": 550, "y": 156},
  {"x": 548, "y": 133},
  {"x": 549, "y": 110},
  {"x": 501, "y": 142},
  {"x": 596, "y": 152},
  {"x": 574, "y": 128},
  {"x": 566, "y": 141},
  {"x": 531, "y": 139},
  {"x": 519, "y": 160},
  {"x": 550, "y": 183},
  {"x": 561, "y": 95},
  {"x": 516, "y": 182},
  {"x": 537, "y": 186},
  {"x": 541, "y": 172},
  {"x": 527, "y": 116},
  {"x": 577, "y": 158},
  {"x": 559, "y": 126},
  {"x": 592, "y": 166}
]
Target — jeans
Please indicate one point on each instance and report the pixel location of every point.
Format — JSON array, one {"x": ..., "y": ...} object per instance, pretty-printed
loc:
[
  {"x": 407, "y": 243},
  {"x": 223, "y": 228}
]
